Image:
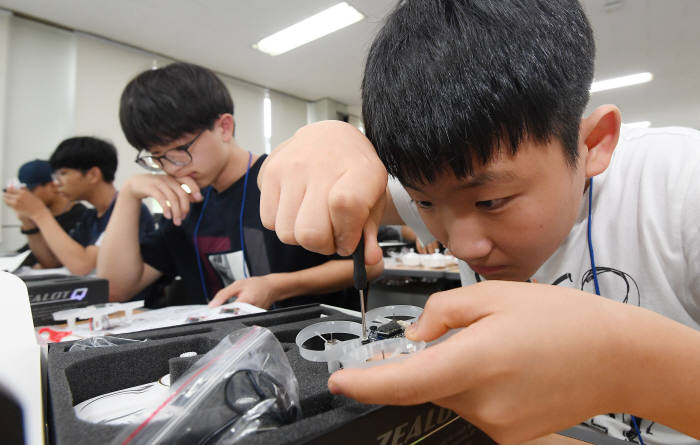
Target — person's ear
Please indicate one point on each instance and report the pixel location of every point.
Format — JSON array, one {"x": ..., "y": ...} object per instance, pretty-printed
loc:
[
  {"x": 94, "y": 175},
  {"x": 598, "y": 136},
  {"x": 228, "y": 126}
]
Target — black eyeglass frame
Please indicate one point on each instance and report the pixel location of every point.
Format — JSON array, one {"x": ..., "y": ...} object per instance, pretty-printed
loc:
[{"x": 141, "y": 159}]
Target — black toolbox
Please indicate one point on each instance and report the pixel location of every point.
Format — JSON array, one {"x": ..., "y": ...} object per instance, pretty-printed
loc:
[{"x": 77, "y": 376}]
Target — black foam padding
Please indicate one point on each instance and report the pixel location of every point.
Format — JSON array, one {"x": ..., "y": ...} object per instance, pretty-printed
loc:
[
  {"x": 180, "y": 365},
  {"x": 77, "y": 376}
]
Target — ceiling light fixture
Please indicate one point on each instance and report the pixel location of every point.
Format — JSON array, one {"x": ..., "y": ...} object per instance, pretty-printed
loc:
[
  {"x": 619, "y": 82},
  {"x": 311, "y": 28}
]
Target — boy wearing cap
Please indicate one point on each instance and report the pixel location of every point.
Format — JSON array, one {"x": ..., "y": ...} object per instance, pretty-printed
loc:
[
  {"x": 84, "y": 170},
  {"x": 36, "y": 176},
  {"x": 475, "y": 107},
  {"x": 180, "y": 118}
]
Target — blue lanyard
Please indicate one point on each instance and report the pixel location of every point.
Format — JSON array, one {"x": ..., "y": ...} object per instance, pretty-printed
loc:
[
  {"x": 590, "y": 242},
  {"x": 240, "y": 218},
  {"x": 240, "y": 221},
  {"x": 595, "y": 279}
]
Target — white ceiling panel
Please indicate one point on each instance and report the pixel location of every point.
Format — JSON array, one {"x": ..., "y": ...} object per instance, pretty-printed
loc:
[{"x": 635, "y": 35}]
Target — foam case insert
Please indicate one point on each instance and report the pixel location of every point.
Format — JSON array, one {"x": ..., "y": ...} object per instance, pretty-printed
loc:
[{"x": 74, "y": 377}]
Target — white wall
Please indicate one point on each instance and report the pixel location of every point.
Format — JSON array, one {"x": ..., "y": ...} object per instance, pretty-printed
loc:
[
  {"x": 56, "y": 84},
  {"x": 248, "y": 114},
  {"x": 288, "y": 115},
  {"x": 103, "y": 69},
  {"x": 4, "y": 37},
  {"x": 39, "y": 99}
]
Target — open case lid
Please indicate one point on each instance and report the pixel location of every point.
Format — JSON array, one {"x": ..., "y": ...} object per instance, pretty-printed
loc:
[{"x": 21, "y": 373}]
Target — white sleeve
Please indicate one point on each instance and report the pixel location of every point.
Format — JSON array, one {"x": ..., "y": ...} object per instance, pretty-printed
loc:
[
  {"x": 690, "y": 226},
  {"x": 408, "y": 211}
]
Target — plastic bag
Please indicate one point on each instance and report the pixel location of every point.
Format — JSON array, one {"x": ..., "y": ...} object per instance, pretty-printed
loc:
[
  {"x": 103, "y": 341},
  {"x": 242, "y": 386}
]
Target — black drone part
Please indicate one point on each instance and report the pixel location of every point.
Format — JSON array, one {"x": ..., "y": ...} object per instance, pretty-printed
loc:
[{"x": 390, "y": 330}]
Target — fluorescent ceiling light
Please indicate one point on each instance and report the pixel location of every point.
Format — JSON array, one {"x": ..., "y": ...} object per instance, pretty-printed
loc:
[
  {"x": 640, "y": 124},
  {"x": 312, "y": 28},
  {"x": 619, "y": 82}
]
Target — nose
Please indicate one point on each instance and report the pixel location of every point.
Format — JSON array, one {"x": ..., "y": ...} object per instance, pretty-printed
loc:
[
  {"x": 172, "y": 169},
  {"x": 468, "y": 239}
]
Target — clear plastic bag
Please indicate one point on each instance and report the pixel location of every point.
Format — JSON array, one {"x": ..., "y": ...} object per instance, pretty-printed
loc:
[
  {"x": 242, "y": 386},
  {"x": 103, "y": 341}
]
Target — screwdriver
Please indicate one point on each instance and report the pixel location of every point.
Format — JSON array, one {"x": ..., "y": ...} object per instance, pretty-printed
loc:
[{"x": 359, "y": 277}]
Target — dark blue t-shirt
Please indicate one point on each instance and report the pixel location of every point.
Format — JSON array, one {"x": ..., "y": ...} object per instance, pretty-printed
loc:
[
  {"x": 90, "y": 226},
  {"x": 171, "y": 249},
  {"x": 67, "y": 220}
]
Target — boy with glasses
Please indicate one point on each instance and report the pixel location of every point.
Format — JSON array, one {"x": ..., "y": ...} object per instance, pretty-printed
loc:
[
  {"x": 475, "y": 108},
  {"x": 83, "y": 169},
  {"x": 180, "y": 118}
]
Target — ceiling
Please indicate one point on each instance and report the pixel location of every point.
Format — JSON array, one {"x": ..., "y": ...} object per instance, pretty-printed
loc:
[{"x": 632, "y": 36}]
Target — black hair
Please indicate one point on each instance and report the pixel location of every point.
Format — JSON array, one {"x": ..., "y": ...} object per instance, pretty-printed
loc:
[
  {"x": 84, "y": 152},
  {"x": 452, "y": 82},
  {"x": 161, "y": 105}
]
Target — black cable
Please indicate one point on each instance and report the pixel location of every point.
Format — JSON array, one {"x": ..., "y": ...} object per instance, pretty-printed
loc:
[{"x": 261, "y": 386}]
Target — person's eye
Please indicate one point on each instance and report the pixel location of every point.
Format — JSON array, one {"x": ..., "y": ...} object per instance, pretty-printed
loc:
[
  {"x": 492, "y": 204},
  {"x": 423, "y": 205}
]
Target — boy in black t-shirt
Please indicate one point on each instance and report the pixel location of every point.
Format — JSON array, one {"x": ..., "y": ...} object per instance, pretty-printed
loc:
[
  {"x": 180, "y": 118},
  {"x": 84, "y": 169},
  {"x": 37, "y": 180}
]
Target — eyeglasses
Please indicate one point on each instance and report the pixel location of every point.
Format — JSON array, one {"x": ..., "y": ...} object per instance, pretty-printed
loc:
[
  {"x": 178, "y": 156},
  {"x": 58, "y": 175}
]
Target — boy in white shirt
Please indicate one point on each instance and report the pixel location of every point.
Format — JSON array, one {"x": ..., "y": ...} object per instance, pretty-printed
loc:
[{"x": 476, "y": 109}]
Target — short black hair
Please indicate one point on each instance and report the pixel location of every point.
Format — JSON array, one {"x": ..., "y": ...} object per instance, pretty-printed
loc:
[
  {"x": 161, "y": 105},
  {"x": 450, "y": 82},
  {"x": 84, "y": 152}
]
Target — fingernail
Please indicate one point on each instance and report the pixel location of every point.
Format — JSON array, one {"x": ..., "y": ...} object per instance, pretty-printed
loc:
[
  {"x": 177, "y": 221},
  {"x": 412, "y": 330},
  {"x": 333, "y": 387},
  {"x": 198, "y": 196}
]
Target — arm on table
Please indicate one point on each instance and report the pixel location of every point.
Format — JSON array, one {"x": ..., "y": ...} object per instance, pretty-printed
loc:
[
  {"x": 79, "y": 260},
  {"x": 265, "y": 290}
]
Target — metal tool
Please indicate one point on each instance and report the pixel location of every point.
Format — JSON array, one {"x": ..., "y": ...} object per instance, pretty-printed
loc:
[{"x": 360, "y": 280}]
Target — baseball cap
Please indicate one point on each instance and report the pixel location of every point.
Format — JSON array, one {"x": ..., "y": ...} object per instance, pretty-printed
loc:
[{"x": 35, "y": 173}]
